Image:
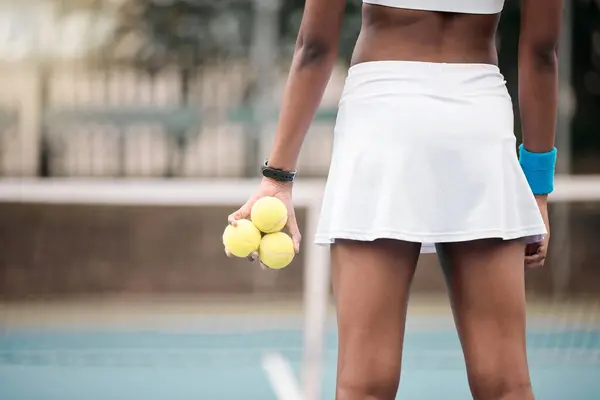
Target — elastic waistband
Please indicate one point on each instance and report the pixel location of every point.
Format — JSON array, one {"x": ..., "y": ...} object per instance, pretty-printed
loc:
[
  {"x": 457, "y": 6},
  {"x": 444, "y": 79},
  {"x": 419, "y": 68}
]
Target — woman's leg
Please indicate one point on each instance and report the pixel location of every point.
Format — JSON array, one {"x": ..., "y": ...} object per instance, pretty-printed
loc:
[
  {"x": 487, "y": 291},
  {"x": 371, "y": 282}
]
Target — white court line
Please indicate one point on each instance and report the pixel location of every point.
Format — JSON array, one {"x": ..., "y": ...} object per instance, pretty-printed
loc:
[{"x": 281, "y": 377}]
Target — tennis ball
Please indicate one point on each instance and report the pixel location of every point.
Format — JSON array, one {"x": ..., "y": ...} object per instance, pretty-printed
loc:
[
  {"x": 243, "y": 239},
  {"x": 269, "y": 214},
  {"x": 276, "y": 250}
]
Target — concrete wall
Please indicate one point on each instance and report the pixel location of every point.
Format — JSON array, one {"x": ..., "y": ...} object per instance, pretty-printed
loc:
[{"x": 65, "y": 250}]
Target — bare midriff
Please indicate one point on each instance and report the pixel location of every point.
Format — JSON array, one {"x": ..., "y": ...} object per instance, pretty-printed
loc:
[{"x": 412, "y": 35}]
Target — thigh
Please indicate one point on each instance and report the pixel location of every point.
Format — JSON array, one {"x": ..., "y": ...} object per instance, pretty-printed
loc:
[
  {"x": 371, "y": 282},
  {"x": 486, "y": 283}
]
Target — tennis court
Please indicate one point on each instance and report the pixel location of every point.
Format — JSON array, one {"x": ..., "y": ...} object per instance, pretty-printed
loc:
[
  {"x": 242, "y": 346},
  {"x": 194, "y": 356}
]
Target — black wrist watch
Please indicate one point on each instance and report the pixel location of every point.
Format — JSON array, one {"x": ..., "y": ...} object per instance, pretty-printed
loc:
[{"x": 277, "y": 174}]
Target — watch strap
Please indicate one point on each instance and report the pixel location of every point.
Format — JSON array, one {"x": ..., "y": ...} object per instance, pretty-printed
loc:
[{"x": 277, "y": 174}]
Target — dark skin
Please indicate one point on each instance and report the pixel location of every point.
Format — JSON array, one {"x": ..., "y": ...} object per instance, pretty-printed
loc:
[
  {"x": 434, "y": 37},
  {"x": 371, "y": 280}
]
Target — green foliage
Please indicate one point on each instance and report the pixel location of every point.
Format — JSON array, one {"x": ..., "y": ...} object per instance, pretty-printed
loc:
[{"x": 185, "y": 33}]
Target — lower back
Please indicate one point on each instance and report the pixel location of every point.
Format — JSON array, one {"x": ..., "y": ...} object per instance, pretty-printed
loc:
[{"x": 412, "y": 35}]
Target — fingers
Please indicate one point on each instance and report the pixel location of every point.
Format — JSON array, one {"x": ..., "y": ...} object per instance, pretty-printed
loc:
[
  {"x": 292, "y": 226},
  {"x": 532, "y": 249},
  {"x": 253, "y": 257},
  {"x": 242, "y": 213},
  {"x": 537, "y": 259}
]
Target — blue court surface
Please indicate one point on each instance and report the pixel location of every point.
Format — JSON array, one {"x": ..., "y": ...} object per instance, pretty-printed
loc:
[{"x": 90, "y": 364}]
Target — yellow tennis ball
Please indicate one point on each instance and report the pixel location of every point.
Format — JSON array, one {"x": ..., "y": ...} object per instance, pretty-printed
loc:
[
  {"x": 276, "y": 250},
  {"x": 243, "y": 239},
  {"x": 269, "y": 214}
]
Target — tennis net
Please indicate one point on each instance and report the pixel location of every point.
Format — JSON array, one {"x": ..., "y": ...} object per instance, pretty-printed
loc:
[{"x": 127, "y": 279}]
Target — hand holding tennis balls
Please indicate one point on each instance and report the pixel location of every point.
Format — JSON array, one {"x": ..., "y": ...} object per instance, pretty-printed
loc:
[
  {"x": 275, "y": 249},
  {"x": 270, "y": 210}
]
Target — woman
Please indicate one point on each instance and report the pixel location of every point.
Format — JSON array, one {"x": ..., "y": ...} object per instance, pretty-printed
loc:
[{"x": 424, "y": 159}]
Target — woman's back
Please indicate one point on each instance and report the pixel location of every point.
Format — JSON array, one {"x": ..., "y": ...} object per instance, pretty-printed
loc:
[{"x": 390, "y": 33}]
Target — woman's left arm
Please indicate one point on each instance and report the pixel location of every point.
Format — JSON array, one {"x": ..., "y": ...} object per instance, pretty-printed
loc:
[{"x": 314, "y": 57}]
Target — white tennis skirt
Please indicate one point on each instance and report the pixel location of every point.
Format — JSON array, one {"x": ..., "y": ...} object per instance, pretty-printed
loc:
[{"x": 426, "y": 152}]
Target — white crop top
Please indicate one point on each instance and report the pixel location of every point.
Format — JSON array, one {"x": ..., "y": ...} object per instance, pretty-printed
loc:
[{"x": 456, "y": 6}]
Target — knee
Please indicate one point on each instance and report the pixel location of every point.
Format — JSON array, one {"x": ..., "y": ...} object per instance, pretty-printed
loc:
[
  {"x": 369, "y": 387},
  {"x": 487, "y": 384}
]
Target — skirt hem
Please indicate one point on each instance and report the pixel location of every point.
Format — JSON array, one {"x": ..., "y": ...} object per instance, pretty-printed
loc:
[{"x": 428, "y": 240}]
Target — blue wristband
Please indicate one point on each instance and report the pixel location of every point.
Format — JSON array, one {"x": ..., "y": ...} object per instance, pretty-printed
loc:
[{"x": 538, "y": 169}]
